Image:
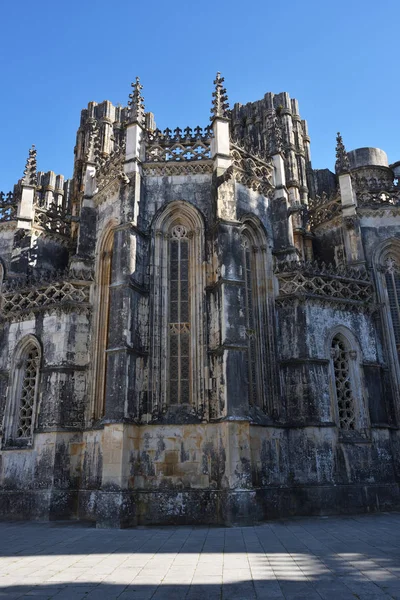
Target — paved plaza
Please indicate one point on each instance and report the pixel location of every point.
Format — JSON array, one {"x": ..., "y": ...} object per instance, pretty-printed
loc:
[{"x": 340, "y": 558}]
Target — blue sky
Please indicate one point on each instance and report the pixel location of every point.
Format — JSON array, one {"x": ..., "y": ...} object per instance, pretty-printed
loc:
[{"x": 339, "y": 59}]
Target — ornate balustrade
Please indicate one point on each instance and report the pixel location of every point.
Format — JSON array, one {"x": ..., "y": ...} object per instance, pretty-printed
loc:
[
  {"x": 40, "y": 292},
  {"x": 327, "y": 282},
  {"x": 179, "y": 145},
  {"x": 8, "y": 207}
]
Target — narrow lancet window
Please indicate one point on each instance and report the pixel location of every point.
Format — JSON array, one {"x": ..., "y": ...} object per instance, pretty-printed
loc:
[
  {"x": 101, "y": 324},
  {"x": 179, "y": 317},
  {"x": 19, "y": 422},
  {"x": 27, "y": 395},
  {"x": 393, "y": 290},
  {"x": 251, "y": 321},
  {"x": 344, "y": 393}
]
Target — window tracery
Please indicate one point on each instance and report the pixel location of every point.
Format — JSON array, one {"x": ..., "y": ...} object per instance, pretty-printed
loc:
[
  {"x": 259, "y": 306},
  {"x": 344, "y": 393},
  {"x": 21, "y": 411},
  {"x": 179, "y": 325},
  {"x": 392, "y": 279},
  {"x": 102, "y": 316},
  {"x": 177, "y": 302},
  {"x": 251, "y": 317},
  {"x": 27, "y": 394},
  {"x": 386, "y": 261}
]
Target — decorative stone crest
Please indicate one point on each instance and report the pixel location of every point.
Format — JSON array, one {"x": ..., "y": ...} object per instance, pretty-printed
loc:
[
  {"x": 136, "y": 110},
  {"x": 220, "y": 104},
  {"x": 30, "y": 172},
  {"x": 342, "y": 164}
]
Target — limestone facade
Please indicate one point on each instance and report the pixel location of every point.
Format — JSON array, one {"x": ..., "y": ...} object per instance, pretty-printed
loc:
[{"x": 199, "y": 327}]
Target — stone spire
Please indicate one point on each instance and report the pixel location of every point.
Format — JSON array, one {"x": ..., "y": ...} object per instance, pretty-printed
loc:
[
  {"x": 220, "y": 104},
  {"x": 30, "y": 172},
  {"x": 136, "y": 104},
  {"x": 342, "y": 160}
]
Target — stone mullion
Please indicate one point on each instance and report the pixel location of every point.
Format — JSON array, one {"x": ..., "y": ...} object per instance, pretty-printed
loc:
[
  {"x": 197, "y": 325},
  {"x": 101, "y": 334},
  {"x": 155, "y": 324},
  {"x": 392, "y": 275},
  {"x": 269, "y": 327},
  {"x": 164, "y": 330},
  {"x": 262, "y": 380},
  {"x": 179, "y": 364}
]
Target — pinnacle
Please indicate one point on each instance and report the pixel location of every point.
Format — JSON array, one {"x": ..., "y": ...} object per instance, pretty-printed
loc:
[
  {"x": 342, "y": 160},
  {"x": 274, "y": 136},
  {"x": 220, "y": 104},
  {"x": 30, "y": 172},
  {"x": 136, "y": 104}
]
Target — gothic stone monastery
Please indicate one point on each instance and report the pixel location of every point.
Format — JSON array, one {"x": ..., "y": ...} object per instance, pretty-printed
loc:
[{"x": 199, "y": 327}]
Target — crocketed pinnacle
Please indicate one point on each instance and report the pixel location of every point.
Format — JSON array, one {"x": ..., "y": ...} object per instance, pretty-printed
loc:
[
  {"x": 30, "y": 172},
  {"x": 136, "y": 104},
  {"x": 274, "y": 136},
  {"x": 220, "y": 105},
  {"x": 342, "y": 160}
]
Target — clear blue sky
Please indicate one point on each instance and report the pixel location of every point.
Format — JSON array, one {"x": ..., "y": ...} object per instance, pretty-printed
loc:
[{"x": 339, "y": 58}]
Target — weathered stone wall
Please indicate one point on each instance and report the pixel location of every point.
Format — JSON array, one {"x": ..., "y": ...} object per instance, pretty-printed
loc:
[{"x": 261, "y": 436}]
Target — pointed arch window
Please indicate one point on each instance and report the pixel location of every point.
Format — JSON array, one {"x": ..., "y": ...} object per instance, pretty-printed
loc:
[
  {"x": 348, "y": 386},
  {"x": 179, "y": 324},
  {"x": 392, "y": 279},
  {"x": 387, "y": 278},
  {"x": 253, "y": 357},
  {"x": 177, "y": 299},
  {"x": 340, "y": 354},
  {"x": 259, "y": 307},
  {"x": 21, "y": 414},
  {"x": 102, "y": 315}
]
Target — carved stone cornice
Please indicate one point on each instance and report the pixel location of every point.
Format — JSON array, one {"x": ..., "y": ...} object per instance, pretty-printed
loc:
[
  {"x": 326, "y": 302},
  {"x": 162, "y": 169}
]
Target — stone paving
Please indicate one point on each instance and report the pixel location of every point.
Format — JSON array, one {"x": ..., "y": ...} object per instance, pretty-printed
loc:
[{"x": 340, "y": 558}]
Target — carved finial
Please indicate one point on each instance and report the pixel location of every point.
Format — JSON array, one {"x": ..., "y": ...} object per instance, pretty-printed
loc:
[
  {"x": 342, "y": 160},
  {"x": 30, "y": 172},
  {"x": 274, "y": 136},
  {"x": 220, "y": 104},
  {"x": 136, "y": 104}
]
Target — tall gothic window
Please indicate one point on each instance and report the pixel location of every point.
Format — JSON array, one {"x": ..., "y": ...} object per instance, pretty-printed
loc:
[
  {"x": 251, "y": 321},
  {"x": 179, "y": 325},
  {"x": 177, "y": 370},
  {"x": 102, "y": 311},
  {"x": 260, "y": 317},
  {"x": 387, "y": 277},
  {"x": 392, "y": 278},
  {"x": 21, "y": 413},
  {"x": 344, "y": 386}
]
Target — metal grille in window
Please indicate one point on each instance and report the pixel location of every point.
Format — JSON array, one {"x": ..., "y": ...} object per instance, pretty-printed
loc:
[
  {"x": 250, "y": 322},
  {"x": 179, "y": 326},
  {"x": 28, "y": 393},
  {"x": 344, "y": 394},
  {"x": 393, "y": 289}
]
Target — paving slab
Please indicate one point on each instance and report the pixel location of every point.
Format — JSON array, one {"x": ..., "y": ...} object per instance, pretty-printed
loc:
[{"x": 347, "y": 558}]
